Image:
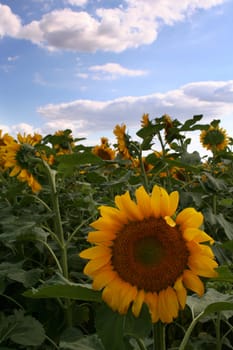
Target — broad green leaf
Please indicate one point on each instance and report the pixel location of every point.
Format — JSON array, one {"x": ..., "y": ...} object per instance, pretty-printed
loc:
[
  {"x": 21, "y": 329},
  {"x": 68, "y": 162},
  {"x": 212, "y": 301},
  {"x": 226, "y": 225},
  {"x": 224, "y": 274},
  {"x": 110, "y": 328},
  {"x": 73, "y": 339},
  {"x": 71, "y": 291},
  {"x": 139, "y": 327}
]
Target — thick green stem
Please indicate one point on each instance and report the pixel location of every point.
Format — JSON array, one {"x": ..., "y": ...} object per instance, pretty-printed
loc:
[
  {"x": 159, "y": 336},
  {"x": 60, "y": 235}
]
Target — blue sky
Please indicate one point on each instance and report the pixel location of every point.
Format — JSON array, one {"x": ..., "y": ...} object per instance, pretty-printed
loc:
[{"x": 88, "y": 65}]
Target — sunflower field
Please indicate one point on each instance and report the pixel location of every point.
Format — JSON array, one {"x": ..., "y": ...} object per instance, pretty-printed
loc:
[{"x": 123, "y": 246}]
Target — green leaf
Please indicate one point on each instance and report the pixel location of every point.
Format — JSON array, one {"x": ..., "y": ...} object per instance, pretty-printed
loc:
[
  {"x": 212, "y": 301},
  {"x": 68, "y": 162},
  {"x": 71, "y": 291},
  {"x": 110, "y": 329},
  {"x": 224, "y": 274},
  {"x": 138, "y": 327},
  {"x": 73, "y": 339},
  {"x": 21, "y": 329},
  {"x": 226, "y": 225}
]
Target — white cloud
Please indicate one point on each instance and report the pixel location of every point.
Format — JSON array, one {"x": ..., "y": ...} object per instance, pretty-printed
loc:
[
  {"x": 109, "y": 29},
  {"x": 9, "y": 23},
  {"x": 12, "y": 58},
  {"x": 80, "y": 3},
  {"x": 215, "y": 100},
  {"x": 114, "y": 70}
]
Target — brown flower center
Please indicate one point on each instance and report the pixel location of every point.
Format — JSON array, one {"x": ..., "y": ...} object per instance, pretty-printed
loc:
[{"x": 149, "y": 254}]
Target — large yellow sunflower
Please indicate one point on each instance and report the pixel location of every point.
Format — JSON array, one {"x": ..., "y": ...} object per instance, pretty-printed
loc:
[
  {"x": 144, "y": 254},
  {"x": 214, "y": 138},
  {"x": 17, "y": 158}
]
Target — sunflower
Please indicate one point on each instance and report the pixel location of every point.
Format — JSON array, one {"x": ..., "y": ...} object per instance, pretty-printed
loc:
[
  {"x": 4, "y": 140},
  {"x": 104, "y": 151},
  {"x": 122, "y": 141},
  {"x": 18, "y": 158},
  {"x": 145, "y": 121},
  {"x": 66, "y": 142},
  {"x": 144, "y": 254},
  {"x": 214, "y": 138}
]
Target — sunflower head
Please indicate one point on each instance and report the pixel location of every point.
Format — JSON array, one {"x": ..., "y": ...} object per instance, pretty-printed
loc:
[
  {"x": 214, "y": 138},
  {"x": 64, "y": 142},
  {"x": 145, "y": 120},
  {"x": 19, "y": 156},
  {"x": 144, "y": 253},
  {"x": 104, "y": 151},
  {"x": 123, "y": 141}
]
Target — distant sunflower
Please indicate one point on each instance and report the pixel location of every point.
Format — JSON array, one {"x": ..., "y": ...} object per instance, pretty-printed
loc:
[
  {"x": 214, "y": 138},
  {"x": 122, "y": 141},
  {"x": 104, "y": 151},
  {"x": 4, "y": 140},
  {"x": 66, "y": 142},
  {"x": 142, "y": 254},
  {"x": 145, "y": 121},
  {"x": 18, "y": 156}
]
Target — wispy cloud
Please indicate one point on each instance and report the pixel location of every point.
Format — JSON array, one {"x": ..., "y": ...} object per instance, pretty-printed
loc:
[
  {"x": 213, "y": 99},
  {"x": 108, "y": 29},
  {"x": 12, "y": 58},
  {"x": 111, "y": 71}
]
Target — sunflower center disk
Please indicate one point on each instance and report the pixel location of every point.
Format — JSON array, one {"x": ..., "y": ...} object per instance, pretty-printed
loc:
[
  {"x": 148, "y": 251},
  {"x": 149, "y": 254}
]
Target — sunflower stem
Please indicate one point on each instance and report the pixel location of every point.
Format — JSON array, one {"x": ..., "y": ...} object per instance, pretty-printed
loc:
[
  {"x": 159, "y": 336},
  {"x": 60, "y": 235}
]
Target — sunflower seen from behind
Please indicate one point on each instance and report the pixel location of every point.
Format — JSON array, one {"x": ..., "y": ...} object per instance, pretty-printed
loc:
[
  {"x": 144, "y": 253},
  {"x": 214, "y": 138}
]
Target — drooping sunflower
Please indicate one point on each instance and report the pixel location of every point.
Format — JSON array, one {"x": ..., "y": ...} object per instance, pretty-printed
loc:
[
  {"x": 145, "y": 121},
  {"x": 144, "y": 254},
  {"x": 214, "y": 138},
  {"x": 17, "y": 158},
  {"x": 65, "y": 143},
  {"x": 103, "y": 150},
  {"x": 122, "y": 140}
]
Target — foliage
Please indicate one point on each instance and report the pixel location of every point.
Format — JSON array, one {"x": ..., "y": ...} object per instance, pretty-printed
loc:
[{"x": 46, "y": 300}]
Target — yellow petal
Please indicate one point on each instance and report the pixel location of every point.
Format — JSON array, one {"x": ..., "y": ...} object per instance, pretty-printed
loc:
[
  {"x": 15, "y": 170},
  {"x": 173, "y": 202},
  {"x": 95, "y": 264},
  {"x": 164, "y": 202},
  {"x": 100, "y": 236},
  {"x": 193, "y": 282},
  {"x": 125, "y": 204},
  {"x": 127, "y": 295},
  {"x": 189, "y": 217},
  {"x": 106, "y": 223},
  {"x": 95, "y": 252},
  {"x": 111, "y": 293},
  {"x": 197, "y": 235},
  {"x": 151, "y": 299},
  {"x": 113, "y": 213},
  {"x": 137, "y": 305},
  {"x": 155, "y": 201},
  {"x": 143, "y": 201},
  {"x": 172, "y": 302},
  {"x": 164, "y": 313},
  {"x": 203, "y": 265},
  {"x": 103, "y": 277},
  {"x": 181, "y": 292}
]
